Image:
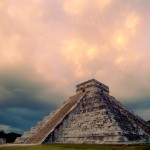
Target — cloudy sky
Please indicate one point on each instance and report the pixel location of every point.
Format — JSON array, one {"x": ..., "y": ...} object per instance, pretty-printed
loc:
[{"x": 49, "y": 46}]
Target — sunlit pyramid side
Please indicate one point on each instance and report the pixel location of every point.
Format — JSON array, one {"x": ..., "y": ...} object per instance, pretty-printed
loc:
[{"x": 90, "y": 116}]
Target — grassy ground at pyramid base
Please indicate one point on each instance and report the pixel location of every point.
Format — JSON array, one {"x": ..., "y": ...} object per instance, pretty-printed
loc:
[{"x": 78, "y": 147}]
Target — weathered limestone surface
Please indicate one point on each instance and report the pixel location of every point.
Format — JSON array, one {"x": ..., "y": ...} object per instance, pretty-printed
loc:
[
  {"x": 99, "y": 118},
  {"x": 91, "y": 85},
  {"x": 91, "y": 116}
]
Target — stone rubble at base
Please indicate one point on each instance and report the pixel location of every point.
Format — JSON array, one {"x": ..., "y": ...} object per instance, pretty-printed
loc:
[
  {"x": 2, "y": 140},
  {"x": 91, "y": 116}
]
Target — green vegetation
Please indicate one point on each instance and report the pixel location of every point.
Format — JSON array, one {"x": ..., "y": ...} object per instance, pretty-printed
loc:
[{"x": 78, "y": 147}]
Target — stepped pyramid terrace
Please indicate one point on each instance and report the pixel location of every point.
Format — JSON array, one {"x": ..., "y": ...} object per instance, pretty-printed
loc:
[{"x": 89, "y": 116}]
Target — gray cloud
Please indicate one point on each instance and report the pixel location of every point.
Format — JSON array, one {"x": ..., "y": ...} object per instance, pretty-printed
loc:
[
  {"x": 140, "y": 107},
  {"x": 25, "y": 100}
]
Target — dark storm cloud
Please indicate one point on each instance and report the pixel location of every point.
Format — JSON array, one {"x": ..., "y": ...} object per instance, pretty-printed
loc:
[
  {"x": 21, "y": 105},
  {"x": 140, "y": 107},
  {"x": 141, "y": 104},
  {"x": 22, "y": 118}
]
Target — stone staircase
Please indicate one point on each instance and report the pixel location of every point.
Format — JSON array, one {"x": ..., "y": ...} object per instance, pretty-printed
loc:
[
  {"x": 27, "y": 135},
  {"x": 43, "y": 128}
]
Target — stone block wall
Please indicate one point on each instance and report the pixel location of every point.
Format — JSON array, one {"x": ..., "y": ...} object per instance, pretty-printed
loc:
[{"x": 98, "y": 118}]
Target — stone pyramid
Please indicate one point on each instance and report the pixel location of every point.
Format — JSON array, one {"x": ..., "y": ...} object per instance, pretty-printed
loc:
[{"x": 90, "y": 116}]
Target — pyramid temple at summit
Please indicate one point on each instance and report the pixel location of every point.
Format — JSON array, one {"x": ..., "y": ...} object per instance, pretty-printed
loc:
[{"x": 90, "y": 116}]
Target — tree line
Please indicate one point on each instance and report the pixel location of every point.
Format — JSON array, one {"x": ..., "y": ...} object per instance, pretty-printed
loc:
[{"x": 9, "y": 137}]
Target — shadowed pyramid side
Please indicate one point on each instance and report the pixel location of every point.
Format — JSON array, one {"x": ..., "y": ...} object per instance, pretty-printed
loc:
[{"x": 133, "y": 127}]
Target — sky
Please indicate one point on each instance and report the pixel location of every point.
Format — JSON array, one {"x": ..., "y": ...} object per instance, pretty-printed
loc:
[{"x": 49, "y": 46}]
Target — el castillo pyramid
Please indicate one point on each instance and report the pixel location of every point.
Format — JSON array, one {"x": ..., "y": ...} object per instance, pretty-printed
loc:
[{"x": 90, "y": 116}]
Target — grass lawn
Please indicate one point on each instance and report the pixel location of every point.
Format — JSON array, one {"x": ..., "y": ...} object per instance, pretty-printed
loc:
[{"x": 77, "y": 147}]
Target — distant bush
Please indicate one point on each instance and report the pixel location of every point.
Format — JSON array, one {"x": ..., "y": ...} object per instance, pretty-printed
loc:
[{"x": 10, "y": 137}]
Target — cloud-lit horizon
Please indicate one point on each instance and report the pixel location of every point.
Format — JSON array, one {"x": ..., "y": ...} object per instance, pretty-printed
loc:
[{"x": 47, "y": 47}]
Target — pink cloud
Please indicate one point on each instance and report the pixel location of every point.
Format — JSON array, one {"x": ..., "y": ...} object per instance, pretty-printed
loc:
[{"x": 71, "y": 41}]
